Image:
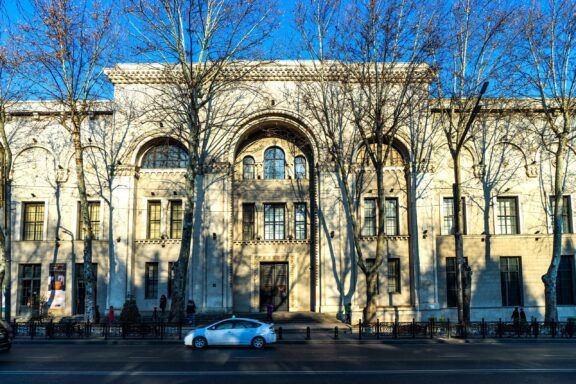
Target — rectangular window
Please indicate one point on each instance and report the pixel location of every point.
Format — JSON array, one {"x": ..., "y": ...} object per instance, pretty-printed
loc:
[
  {"x": 566, "y": 214},
  {"x": 393, "y": 275},
  {"x": 171, "y": 266},
  {"x": 369, "y": 264},
  {"x": 33, "y": 221},
  {"x": 151, "y": 281},
  {"x": 369, "y": 228},
  {"x": 507, "y": 220},
  {"x": 154, "y": 215},
  {"x": 176, "y": 219},
  {"x": 451, "y": 279},
  {"x": 391, "y": 220},
  {"x": 565, "y": 281},
  {"x": 29, "y": 285},
  {"x": 94, "y": 212},
  {"x": 274, "y": 221},
  {"x": 511, "y": 281},
  {"x": 248, "y": 222},
  {"x": 448, "y": 216},
  {"x": 300, "y": 221}
]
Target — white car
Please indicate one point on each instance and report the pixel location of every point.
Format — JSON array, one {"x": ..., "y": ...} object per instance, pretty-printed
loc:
[{"x": 234, "y": 331}]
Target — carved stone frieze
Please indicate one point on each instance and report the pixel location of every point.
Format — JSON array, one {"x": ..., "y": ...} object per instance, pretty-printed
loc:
[{"x": 532, "y": 170}]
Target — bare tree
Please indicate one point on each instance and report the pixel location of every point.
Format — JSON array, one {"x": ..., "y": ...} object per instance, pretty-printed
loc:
[
  {"x": 495, "y": 145},
  {"x": 550, "y": 71},
  {"x": 69, "y": 43},
  {"x": 476, "y": 45},
  {"x": 199, "y": 45},
  {"x": 12, "y": 90},
  {"x": 110, "y": 143},
  {"x": 364, "y": 97}
]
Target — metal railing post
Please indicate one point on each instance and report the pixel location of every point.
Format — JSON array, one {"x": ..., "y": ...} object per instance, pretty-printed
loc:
[
  {"x": 360, "y": 329},
  {"x": 377, "y": 328},
  {"x": 280, "y": 333},
  {"x": 413, "y": 328},
  {"x": 336, "y": 333},
  {"x": 308, "y": 337}
]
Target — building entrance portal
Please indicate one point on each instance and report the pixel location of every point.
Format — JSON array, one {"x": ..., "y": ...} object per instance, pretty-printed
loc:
[{"x": 274, "y": 286}]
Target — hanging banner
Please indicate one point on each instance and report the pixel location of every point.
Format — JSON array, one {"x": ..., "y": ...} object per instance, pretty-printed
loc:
[{"x": 56, "y": 299}]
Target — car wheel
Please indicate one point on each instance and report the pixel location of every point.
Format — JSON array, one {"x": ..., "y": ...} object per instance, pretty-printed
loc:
[
  {"x": 258, "y": 342},
  {"x": 199, "y": 342}
]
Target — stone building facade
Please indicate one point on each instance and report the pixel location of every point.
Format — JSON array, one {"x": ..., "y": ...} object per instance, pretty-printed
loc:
[{"x": 273, "y": 225}]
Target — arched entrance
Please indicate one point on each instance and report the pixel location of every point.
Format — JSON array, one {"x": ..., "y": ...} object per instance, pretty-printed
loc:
[{"x": 273, "y": 230}]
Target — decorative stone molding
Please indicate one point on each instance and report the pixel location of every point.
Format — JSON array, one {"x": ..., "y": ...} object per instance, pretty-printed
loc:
[
  {"x": 277, "y": 71},
  {"x": 158, "y": 241},
  {"x": 126, "y": 170},
  {"x": 532, "y": 170},
  {"x": 62, "y": 175},
  {"x": 268, "y": 242},
  {"x": 391, "y": 238}
]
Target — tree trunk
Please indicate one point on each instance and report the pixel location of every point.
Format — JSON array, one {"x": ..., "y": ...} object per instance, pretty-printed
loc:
[
  {"x": 486, "y": 219},
  {"x": 181, "y": 266},
  {"x": 463, "y": 315},
  {"x": 111, "y": 251},
  {"x": 89, "y": 277},
  {"x": 549, "y": 279}
]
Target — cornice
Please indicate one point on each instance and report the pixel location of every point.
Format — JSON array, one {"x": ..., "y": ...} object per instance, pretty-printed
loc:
[{"x": 272, "y": 71}]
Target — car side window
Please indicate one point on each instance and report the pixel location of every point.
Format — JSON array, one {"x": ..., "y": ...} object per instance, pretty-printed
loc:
[{"x": 225, "y": 325}]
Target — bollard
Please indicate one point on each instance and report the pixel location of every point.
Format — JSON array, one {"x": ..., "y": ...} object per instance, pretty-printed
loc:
[
  {"x": 308, "y": 333},
  {"x": 279, "y": 333},
  {"x": 500, "y": 328},
  {"x": 431, "y": 324},
  {"x": 360, "y": 329},
  {"x": 336, "y": 333},
  {"x": 378, "y": 328},
  {"x": 449, "y": 329},
  {"x": 483, "y": 329},
  {"x": 413, "y": 328},
  {"x": 395, "y": 329}
]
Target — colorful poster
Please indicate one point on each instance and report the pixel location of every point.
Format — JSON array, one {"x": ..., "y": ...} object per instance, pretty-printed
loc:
[{"x": 57, "y": 287}]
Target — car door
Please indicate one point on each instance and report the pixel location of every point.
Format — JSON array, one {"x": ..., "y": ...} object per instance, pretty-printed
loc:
[
  {"x": 247, "y": 331},
  {"x": 221, "y": 333}
]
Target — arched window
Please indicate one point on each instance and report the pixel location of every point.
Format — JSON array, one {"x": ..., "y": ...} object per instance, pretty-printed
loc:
[
  {"x": 274, "y": 163},
  {"x": 300, "y": 167},
  {"x": 248, "y": 170},
  {"x": 169, "y": 154}
]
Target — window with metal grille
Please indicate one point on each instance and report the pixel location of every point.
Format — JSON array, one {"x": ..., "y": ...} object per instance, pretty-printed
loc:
[
  {"x": 248, "y": 221},
  {"x": 171, "y": 266},
  {"x": 176, "y": 219},
  {"x": 300, "y": 221},
  {"x": 369, "y": 228},
  {"x": 566, "y": 214},
  {"x": 248, "y": 168},
  {"x": 274, "y": 221},
  {"x": 274, "y": 162},
  {"x": 29, "y": 285},
  {"x": 169, "y": 154},
  {"x": 511, "y": 281},
  {"x": 393, "y": 275},
  {"x": 300, "y": 167},
  {"x": 391, "y": 219},
  {"x": 451, "y": 279},
  {"x": 565, "y": 281},
  {"x": 507, "y": 220},
  {"x": 33, "y": 221},
  {"x": 94, "y": 213},
  {"x": 448, "y": 216},
  {"x": 154, "y": 219},
  {"x": 151, "y": 281}
]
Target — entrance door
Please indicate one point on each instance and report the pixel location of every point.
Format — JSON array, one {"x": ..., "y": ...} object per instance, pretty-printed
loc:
[
  {"x": 81, "y": 287},
  {"x": 274, "y": 286}
]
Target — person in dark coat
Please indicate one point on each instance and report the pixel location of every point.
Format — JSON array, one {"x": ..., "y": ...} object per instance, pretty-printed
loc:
[
  {"x": 191, "y": 312},
  {"x": 269, "y": 310},
  {"x": 163, "y": 303}
]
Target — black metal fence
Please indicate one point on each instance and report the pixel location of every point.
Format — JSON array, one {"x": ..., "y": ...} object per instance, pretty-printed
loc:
[
  {"x": 378, "y": 330},
  {"x": 81, "y": 330},
  {"x": 472, "y": 330}
]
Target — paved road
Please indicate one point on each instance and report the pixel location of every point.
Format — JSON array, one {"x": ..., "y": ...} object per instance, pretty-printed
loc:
[{"x": 312, "y": 363}]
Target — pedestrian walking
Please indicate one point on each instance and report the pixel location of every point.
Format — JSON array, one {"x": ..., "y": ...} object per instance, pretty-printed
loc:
[
  {"x": 155, "y": 315},
  {"x": 111, "y": 314},
  {"x": 348, "y": 313},
  {"x": 191, "y": 313},
  {"x": 269, "y": 310},
  {"x": 515, "y": 316},
  {"x": 163, "y": 302},
  {"x": 523, "y": 322}
]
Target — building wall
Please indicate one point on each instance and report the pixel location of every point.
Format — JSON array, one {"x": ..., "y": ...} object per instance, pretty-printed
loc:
[{"x": 225, "y": 273}]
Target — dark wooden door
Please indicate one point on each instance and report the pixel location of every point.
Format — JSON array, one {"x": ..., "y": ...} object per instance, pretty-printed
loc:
[{"x": 274, "y": 286}]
